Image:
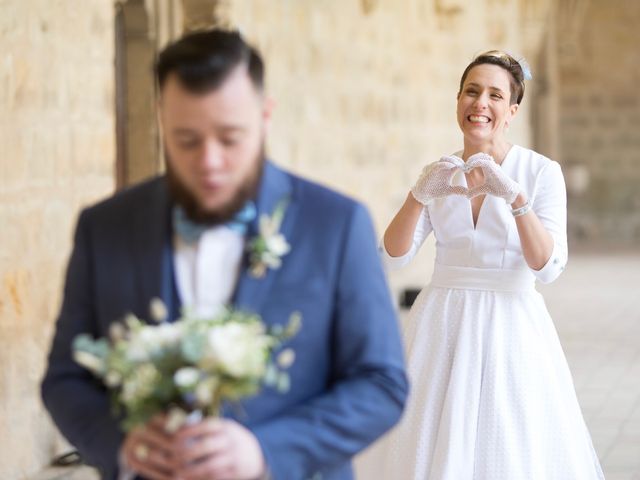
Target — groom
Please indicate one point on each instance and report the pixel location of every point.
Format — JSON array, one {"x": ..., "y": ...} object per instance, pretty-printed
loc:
[{"x": 182, "y": 238}]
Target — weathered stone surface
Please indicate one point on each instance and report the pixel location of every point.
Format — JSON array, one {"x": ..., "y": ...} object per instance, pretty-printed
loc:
[
  {"x": 56, "y": 135},
  {"x": 600, "y": 117},
  {"x": 366, "y": 91}
]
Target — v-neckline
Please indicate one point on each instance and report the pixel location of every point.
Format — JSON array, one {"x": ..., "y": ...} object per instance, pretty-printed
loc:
[{"x": 474, "y": 224}]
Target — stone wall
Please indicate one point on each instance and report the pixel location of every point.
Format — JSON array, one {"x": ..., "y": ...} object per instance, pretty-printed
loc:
[
  {"x": 365, "y": 90},
  {"x": 599, "y": 121},
  {"x": 57, "y": 138}
]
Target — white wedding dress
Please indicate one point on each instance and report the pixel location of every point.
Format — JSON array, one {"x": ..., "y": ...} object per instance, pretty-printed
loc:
[{"x": 491, "y": 396}]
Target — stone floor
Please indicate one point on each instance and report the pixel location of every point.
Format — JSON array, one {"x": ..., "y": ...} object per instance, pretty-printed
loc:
[
  {"x": 67, "y": 473},
  {"x": 596, "y": 308}
]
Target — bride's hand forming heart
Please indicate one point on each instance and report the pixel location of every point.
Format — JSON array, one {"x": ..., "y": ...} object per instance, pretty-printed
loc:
[
  {"x": 435, "y": 181},
  {"x": 496, "y": 181}
]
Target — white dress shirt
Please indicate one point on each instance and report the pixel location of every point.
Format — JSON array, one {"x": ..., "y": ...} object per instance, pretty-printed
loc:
[
  {"x": 207, "y": 270},
  {"x": 206, "y": 275}
]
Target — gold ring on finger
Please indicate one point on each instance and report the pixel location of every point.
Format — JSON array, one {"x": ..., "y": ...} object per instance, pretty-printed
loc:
[{"x": 141, "y": 451}]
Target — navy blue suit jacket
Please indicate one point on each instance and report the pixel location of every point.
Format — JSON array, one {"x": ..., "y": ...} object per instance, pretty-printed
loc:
[{"x": 348, "y": 384}]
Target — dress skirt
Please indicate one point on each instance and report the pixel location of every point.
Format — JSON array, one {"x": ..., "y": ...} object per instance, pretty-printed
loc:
[{"x": 491, "y": 393}]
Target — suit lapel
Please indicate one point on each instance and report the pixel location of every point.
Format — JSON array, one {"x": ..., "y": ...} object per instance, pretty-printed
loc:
[
  {"x": 275, "y": 186},
  {"x": 152, "y": 250}
]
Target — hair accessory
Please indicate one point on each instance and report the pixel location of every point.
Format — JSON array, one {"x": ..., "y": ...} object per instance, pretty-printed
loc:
[
  {"x": 509, "y": 57},
  {"x": 524, "y": 65},
  {"x": 526, "y": 70}
]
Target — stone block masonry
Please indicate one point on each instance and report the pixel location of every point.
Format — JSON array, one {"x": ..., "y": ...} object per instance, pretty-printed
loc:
[{"x": 57, "y": 152}]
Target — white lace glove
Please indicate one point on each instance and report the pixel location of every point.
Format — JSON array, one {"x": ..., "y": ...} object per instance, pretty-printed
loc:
[
  {"x": 435, "y": 182},
  {"x": 496, "y": 182}
]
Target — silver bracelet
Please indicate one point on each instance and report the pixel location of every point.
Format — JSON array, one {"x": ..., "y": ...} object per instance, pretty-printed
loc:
[{"x": 518, "y": 212}]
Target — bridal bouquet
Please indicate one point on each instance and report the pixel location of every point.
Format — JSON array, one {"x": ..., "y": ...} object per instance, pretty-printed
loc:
[{"x": 190, "y": 365}]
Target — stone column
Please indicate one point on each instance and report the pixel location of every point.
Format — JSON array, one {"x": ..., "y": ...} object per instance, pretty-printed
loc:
[
  {"x": 138, "y": 156},
  {"x": 205, "y": 13}
]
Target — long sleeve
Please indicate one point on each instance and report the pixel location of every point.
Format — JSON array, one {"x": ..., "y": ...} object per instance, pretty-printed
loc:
[
  {"x": 549, "y": 202},
  {"x": 78, "y": 404},
  {"x": 369, "y": 386},
  {"x": 420, "y": 234}
]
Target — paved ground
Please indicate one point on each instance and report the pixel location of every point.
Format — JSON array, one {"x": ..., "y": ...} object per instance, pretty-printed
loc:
[
  {"x": 596, "y": 307},
  {"x": 68, "y": 473}
]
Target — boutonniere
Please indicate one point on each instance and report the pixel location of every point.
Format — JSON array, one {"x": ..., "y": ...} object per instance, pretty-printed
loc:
[{"x": 268, "y": 247}]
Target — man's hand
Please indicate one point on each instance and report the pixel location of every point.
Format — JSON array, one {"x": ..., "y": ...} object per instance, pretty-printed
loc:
[
  {"x": 217, "y": 449},
  {"x": 148, "y": 451}
]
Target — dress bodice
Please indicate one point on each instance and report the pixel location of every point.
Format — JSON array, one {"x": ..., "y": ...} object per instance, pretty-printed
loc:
[{"x": 494, "y": 242}]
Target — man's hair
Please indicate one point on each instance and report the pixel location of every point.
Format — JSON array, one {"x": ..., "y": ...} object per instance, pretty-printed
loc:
[{"x": 203, "y": 60}]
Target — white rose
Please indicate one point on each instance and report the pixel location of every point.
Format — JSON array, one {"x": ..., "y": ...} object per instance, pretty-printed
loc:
[
  {"x": 238, "y": 349},
  {"x": 148, "y": 337},
  {"x": 140, "y": 384},
  {"x": 137, "y": 352},
  {"x": 168, "y": 334},
  {"x": 278, "y": 245},
  {"x": 141, "y": 346},
  {"x": 150, "y": 341},
  {"x": 186, "y": 377},
  {"x": 271, "y": 260}
]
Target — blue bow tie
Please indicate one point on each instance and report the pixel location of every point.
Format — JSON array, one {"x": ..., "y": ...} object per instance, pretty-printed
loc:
[{"x": 191, "y": 231}]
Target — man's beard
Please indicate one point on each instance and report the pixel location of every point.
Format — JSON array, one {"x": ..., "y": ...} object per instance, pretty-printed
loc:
[{"x": 182, "y": 196}]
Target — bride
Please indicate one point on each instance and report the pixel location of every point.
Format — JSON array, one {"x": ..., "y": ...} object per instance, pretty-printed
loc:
[{"x": 492, "y": 396}]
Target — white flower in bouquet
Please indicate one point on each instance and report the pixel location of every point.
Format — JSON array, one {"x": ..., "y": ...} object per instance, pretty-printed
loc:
[
  {"x": 205, "y": 391},
  {"x": 158, "y": 310},
  {"x": 186, "y": 378},
  {"x": 113, "y": 379},
  {"x": 151, "y": 341},
  {"x": 117, "y": 331},
  {"x": 89, "y": 361},
  {"x": 140, "y": 384},
  {"x": 159, "y": 338},
  {"x": 238, "y": 349},
  {"x": 193, "y": 364}
]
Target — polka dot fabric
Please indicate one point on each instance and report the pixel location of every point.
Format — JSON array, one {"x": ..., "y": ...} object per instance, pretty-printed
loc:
[{"x": 492, "y": 396}]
